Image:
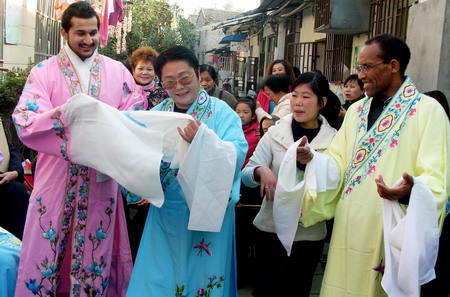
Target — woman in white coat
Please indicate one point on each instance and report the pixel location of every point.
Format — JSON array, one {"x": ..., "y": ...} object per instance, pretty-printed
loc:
[{"x": 278, "y": 274}]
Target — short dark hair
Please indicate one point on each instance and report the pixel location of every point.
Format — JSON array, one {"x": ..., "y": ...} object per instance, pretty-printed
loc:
[
  {"x": 392, "y": 48},
  {"x": 176, "y": 53},
  {"x": 277, "y": 83},
  {"x": 274, "y": 119},
  {"x": 321, "y": 88},
  {"x": 82, "y": 10},
  {"x": 210, "y": 70},
  {"x": 354, "y": 77}
]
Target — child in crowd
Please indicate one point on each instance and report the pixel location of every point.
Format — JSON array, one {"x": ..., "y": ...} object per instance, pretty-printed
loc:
[
  {"x": 250, "y": 200},
  {"x": 245, "y": 108}
]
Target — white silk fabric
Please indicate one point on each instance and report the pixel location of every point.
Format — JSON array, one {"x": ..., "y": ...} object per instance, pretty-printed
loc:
[
  {"x": 129, "y": 146},
  {"x": 411, "y": 241}
]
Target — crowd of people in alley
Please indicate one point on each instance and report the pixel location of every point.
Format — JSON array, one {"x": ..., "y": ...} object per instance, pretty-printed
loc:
[{"x": 151, "y": 180}]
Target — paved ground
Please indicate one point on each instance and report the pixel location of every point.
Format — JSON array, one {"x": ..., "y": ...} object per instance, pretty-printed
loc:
[{"x": 315, "y": 290}]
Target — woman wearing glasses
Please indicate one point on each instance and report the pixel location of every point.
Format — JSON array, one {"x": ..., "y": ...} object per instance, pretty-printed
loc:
[{"x": 172, "y": 259}]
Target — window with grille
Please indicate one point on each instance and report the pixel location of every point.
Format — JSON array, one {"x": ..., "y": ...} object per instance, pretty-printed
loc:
[
  {"x": 302, "y": 55},
  {"x": 389, "y": 16},
  {"x": 270, "y": 49},
  {"x": 262, "y": 59},
  {"x": 292, "y": 34},
  {"x": 48, "y": 37},
  {"x": 322, "y": 14},
  {"x": 338, "y": 53},
  {"x": 225, "y": 63}
]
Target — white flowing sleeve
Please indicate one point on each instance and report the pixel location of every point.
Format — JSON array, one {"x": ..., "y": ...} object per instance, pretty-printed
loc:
[{"x": 207, "y": 195}]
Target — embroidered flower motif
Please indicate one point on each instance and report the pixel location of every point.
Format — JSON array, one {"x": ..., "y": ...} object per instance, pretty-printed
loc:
[
  {"x": 371, "y": 170},
  {"x": 76, "y": 289},
  {"x": 96, "y": 268},
  {"x": 68, "y": 73},
  {"x": 31, "y": 105},
  {"x": 33, "y": 287},
  {"x": 50, "y": 234},
  {"x": 348, "y": 191},
  {"x": 413, "y": 112},
  {"x": 379, "y": 151},
  {"x": 49, "y": 270},
  {"x": 358, "y": 110},
  {"x": 100, "y": 234},
  {"x": 79, "y": 240},
  {"x": 91, "y": 291},
  {"x": 385, "y": 123},
  {"x": 360, "y": 156},
  {"x": 96, "y": 68},
  {"x": 214, "y": 282},
  {"x": 398, "y": 105},
  {"x": 409, "y": 90},
  {"x": 94, "y": 90},
  {"x": 394, "y": 143},
  {"x": 371, "y": 140},
  {"x": 76, "y": 266}
]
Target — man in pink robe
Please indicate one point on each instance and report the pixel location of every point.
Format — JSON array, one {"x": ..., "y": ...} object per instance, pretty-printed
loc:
[{"x": 75, "y": 240}]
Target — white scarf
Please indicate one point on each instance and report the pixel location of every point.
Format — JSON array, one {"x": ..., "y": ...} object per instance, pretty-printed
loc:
[{"x": 411, "y": 242}]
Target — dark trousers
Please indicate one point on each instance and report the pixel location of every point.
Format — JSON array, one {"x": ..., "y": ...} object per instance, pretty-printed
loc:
[
  {"x": 14, "y": 201},
  {"x": 135, "y": 217},
  {"x": 246, "y": 211},
  {"x": 440, "y": 286},
  {"x": 245, "y": 245},
  {"x": 280, "y": 275}
]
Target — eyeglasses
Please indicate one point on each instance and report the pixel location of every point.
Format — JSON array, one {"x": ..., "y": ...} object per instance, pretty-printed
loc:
[
  {"x": 185, "y": 80},
  {"x": 366, "y": 68}
]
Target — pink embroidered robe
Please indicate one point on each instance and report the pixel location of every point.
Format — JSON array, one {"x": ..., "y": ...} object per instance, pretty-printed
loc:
[{"x": 75, "y": 238}]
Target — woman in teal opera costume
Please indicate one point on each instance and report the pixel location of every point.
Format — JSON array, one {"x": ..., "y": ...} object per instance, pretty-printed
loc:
[{"x": 173, "y": 260}]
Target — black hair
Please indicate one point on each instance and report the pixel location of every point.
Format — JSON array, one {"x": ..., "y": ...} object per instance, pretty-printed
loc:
[
  {"x": 249, "y": 101},
  {"x": 440, "y": 97},
  {"x": 392, "y": 48},
  {"x": 273, "y": 119},
  {"x": 354, "y": 77},
  {"x": 277, "y": 83},
  {"x": 297, "y": 71},
  {"x": 82, "y": 10},
  {"x": 176, "y": 53},
  {"x": 210, "y": 70},
  {"x": 320, "y": 87}
]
